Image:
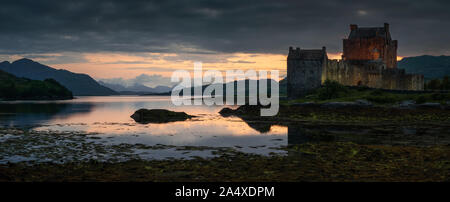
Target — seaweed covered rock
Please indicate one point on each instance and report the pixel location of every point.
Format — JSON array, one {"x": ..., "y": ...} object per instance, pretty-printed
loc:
[{"x": 159, "y": 116}]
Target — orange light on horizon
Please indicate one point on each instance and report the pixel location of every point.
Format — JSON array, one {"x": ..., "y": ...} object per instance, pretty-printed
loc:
[
  {"x": 111, "y": 65},
  {"x": 334, "y": 56},
  {"x": 399, "y": 58}
]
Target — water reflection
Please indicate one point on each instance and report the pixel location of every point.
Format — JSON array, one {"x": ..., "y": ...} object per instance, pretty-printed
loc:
[
  {"x": 375, "y": 134},
  {"x": 24, "y": 114},
  {"x": 110, "y": 118}
]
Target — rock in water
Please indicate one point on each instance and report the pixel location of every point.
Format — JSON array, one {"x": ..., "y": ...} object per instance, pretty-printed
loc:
[
  {"x": 225, "y": 112},
  {"x": 407, "y": 104},
  {"x": 159, "y": 116},
  {"x": 363, "y": 102}
]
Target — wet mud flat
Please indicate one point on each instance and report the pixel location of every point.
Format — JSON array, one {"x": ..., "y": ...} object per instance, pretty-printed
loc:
[
  {"x": 33, "y": 147},
  {"x": 336, "y": 161}
]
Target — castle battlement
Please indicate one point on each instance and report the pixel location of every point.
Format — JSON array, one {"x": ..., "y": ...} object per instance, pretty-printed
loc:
[{"x": 369, "y": 59}]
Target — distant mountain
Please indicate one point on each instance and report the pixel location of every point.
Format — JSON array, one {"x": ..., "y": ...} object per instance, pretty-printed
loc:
[
  {"x": 162, "y": 89},
  {"x": 79, "y": 84},
  {"x": 430, "y": 66},
  {"x": 245, "y": 91},
  {"x": 136, "y": 88},
  {"x": 14, "y": 88}
]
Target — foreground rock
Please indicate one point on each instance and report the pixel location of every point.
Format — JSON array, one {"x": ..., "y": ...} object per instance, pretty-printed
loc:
[
  {"x": 159, "y": 116},
  {"x": 408, "y": 104},
  {"x": 430, "y": 105},
  {"x": 357, "y": 103}
]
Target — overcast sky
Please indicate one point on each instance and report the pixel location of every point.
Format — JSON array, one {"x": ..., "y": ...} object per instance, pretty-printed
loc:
[{"x": 71, "y": 34}]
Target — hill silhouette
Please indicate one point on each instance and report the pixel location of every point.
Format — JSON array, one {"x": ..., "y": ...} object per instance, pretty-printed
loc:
[
  {"x": 135, "y": 89},
  {"x": 13, "y": 88},
  {"x": 79, "y": 84},
  {"x": 431, "y": 67}
]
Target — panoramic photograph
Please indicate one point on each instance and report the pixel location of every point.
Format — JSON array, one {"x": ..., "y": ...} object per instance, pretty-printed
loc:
[{"x": 191, "y": 94}]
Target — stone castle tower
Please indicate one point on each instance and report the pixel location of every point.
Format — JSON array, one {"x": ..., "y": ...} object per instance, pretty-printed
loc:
[
  {"x": 370, "y": 44},
  {"x": 304, "y": 70},
  {"x": 369, "y": 59}
]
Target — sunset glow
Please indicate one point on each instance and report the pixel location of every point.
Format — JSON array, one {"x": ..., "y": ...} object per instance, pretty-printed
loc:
[
  {"x": 125, "y": 65},
  {"x": 334, "y": 56}
]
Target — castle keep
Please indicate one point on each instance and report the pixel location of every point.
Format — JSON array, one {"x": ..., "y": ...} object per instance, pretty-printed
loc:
[{"x": 369, "y": 59}]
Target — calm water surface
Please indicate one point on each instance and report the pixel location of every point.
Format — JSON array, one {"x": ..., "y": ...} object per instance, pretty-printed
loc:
[{"x": 109, "y": 116}]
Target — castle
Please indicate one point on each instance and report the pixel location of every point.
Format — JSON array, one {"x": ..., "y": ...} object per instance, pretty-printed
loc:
[{"x": 369, "y": 59}]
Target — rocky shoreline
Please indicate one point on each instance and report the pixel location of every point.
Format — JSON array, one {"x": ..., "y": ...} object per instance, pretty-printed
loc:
[{"x": 360, "y": 111}]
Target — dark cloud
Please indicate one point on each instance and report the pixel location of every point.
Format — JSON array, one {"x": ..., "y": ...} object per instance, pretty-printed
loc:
[{"x": 208, "y": 26}]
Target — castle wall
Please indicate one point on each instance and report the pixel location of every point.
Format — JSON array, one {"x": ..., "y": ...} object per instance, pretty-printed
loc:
[
  {"x": 413, "y": 82},
  {"x": 374, "y": 75},
  {"x": 352, "y": 74}
]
